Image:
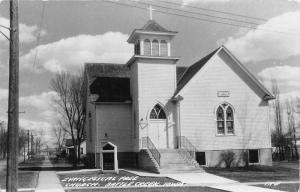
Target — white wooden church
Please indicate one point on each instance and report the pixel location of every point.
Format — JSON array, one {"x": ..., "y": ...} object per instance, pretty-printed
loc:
[{"x": 159, "y": 116}]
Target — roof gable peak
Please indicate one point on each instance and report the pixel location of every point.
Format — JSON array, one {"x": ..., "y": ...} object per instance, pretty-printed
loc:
[
  {"x": 193, "y": 69},
  {"x": 152, "y": 25}
]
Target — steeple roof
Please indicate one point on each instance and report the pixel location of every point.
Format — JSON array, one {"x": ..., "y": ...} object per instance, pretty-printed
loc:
[{"x": 151, "y": 27}]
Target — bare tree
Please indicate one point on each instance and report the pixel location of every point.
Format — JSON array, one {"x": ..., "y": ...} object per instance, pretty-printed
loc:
[
  {"x": 291, "y": 128},
  {"x": 71, "y": 96},
  {"x": 277, "y": 136},
  {"x": 22, "y": 139},
  {"x": 60, "y": 136}
]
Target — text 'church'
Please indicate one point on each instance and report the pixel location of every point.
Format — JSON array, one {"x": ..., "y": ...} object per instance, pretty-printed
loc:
[{"x": 159, "y": 116}]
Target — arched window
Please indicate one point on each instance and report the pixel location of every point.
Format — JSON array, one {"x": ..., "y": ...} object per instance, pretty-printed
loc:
[
  {"x": 225, "y": 119},
  {"x": 220, "y": 121},
  {"x": 137, "y": 48},
  {"x": 155, "y": 49},
  {"x": 147, "y": 47},
  {"x": 157, "y": 112},
  {"x": 163, "y": 48}
]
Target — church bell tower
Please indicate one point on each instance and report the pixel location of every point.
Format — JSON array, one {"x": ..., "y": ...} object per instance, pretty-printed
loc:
[{"x": 153, "y": 75}]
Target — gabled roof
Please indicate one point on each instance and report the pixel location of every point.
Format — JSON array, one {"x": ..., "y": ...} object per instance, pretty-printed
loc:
[
  {"x": 180, "y": 71},
  {"x": 193, "y": 69},
  {"x": 69, "y": 142},
  {"x": 153, "y": 28},
  {"x": 152, "y": 25},
  {"x": 111, "y": 82},
  {"x": 106, "y": 70},
  {"x": 111, "y": 89}
]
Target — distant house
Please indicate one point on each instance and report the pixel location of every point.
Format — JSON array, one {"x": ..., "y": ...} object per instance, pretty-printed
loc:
[
  {"x": 298, "y": 139},
  {"x": 158, "y": 114},
  {"x": 70, "y": 147}
]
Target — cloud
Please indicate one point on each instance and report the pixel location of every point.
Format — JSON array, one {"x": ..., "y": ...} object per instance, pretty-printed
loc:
[
  {"x": 287, "y": 77},
  {"x": 41, "y": 104},
  {"x": 34, "y": 125},
  {"x": 3, "y": 94},
  {"x": 259, "y": 44},
  {"x": 41, "y": 101},
  {"x": 40, "y": 129},
  {"x": 71, "y": 53},
  {"x": 186, "y": 2},
  {"x": 290, "y": 95},
  {"x": 28, "y": 33},
  {"x": 281, "y": 73},
  {"x": 298, "y": 1}
]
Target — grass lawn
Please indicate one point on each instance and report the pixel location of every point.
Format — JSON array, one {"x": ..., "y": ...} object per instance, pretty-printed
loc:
[
  {"x": 124, "y": 178},
  {"x": 257, "y": 173},
  {"x": 27, "y": 179},
  {"x": 35, "y": 162},
  {"x": 112, "y": 180},
  {"x": 291, "y": 187},
  {"x": 156, "y": 189}
]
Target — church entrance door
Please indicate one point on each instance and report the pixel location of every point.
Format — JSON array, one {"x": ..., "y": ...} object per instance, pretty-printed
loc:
[
  {"x": 158, "y": 133},
  {"x": 157, "y": 129}
]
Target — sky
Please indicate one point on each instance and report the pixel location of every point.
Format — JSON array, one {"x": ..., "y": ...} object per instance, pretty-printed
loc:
[{"x": 60, "y": 36}]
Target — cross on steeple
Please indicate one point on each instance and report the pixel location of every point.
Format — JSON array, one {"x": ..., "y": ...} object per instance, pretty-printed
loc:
[{"x": 150, "y": 12}]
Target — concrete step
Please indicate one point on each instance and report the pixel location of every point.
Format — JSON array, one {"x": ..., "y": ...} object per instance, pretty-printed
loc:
[
  {"x": 189, "y": 170},
  {"x": 182, "y": 165},
  {"x": 171, "y": 157},
  {"x": 168, "y": 150},
  {"x": 177, "y": 161},
  {"x": 172, "y": 161}
]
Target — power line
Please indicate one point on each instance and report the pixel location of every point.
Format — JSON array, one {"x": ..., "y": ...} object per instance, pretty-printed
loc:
[
  {"x": 216, "y": 11},
  {"x": 5, "y": 27},
  {"x": 203, "y": 19},
  {"x": 39, "y": 34},
  {"x": 219, "y": 17},
  {"x": 200, "y": 8},
  {"x": 212, "y": 16},
  {"x": 203, "y": 14},
  {"x": 4, "y": 35}
]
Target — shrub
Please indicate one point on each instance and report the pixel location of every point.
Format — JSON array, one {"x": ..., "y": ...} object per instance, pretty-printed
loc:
[
  {"x": 228, "y": 158},
  {"x": 71, "y": 158}
]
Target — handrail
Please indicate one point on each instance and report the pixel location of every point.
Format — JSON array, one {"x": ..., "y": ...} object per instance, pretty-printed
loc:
[
  {"x": 147, "y": 143},
  {"x": 187, "y": 145}
]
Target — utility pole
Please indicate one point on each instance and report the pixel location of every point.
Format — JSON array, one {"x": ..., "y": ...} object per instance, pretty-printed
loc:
[
  {"x": 28, "y": 137},
  {"x": 32, "y": 144},
  {"x": 13, "y": 101}
]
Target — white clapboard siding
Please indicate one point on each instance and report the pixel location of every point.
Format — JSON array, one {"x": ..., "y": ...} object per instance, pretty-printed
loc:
[
  {"x": 200, "y": 101},
  {"x": 135, "y": 109},
  {"x": 156, "y": 84},
  {"x": 90, "y": 128},
  {"x": 115, "y": 121}
]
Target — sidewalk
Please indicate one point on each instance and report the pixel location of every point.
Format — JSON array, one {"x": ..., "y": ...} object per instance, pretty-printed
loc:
[
  {"x": 207, "y": 179},
  {"x": 48, "y": 180}
]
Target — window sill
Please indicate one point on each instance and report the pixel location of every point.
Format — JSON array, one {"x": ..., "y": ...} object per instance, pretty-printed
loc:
[
  {"x": 224, "y": 135},
  {"x": 254, "y": 163}
]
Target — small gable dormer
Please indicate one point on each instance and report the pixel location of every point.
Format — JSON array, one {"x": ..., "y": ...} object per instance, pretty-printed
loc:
[{"x": 152, "y": 40}]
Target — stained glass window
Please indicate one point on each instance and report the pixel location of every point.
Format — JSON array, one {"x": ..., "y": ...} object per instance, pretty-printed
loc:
[
  {"x": 157, "y": 112},
  {"x": 229, "y": 120},
  {"x": 225, "y": 119},
  {"x": 220, "y": 120}
]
